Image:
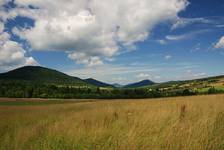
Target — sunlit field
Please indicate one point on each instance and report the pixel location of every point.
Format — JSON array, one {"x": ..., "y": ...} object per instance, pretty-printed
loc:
[{"x": 193, "y": 123}]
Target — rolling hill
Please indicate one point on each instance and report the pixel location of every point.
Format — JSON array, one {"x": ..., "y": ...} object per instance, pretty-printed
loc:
[
  {"x": 97, "y": 83},
  {"x": 40, "y": 82},
  {"x": 140, "y": 84},
  {"x": 39, "y": 74},
  {"x": 201, "y": 85}
]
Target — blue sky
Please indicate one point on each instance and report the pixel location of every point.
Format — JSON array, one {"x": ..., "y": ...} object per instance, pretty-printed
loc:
[{"x": 164, "y": 44}]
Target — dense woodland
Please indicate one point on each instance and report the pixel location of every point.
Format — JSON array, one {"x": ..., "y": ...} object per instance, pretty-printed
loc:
[{"x": 18, "y": 89}]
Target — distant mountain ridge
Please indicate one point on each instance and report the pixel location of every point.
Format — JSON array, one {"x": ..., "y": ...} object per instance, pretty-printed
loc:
[
  {"x": 140, "y": 84},
  {"x": 40, "y": 82},
  {"x": 38, "y": 74}
]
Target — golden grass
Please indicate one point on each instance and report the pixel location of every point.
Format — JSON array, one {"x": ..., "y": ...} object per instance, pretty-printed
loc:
[{"x": 186, "y": 123}]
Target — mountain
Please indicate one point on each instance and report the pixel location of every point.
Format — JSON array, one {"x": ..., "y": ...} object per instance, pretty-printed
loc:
[
  {"x": 140, "y": 84},
  {"x": 97, "y": 83},
  {"x": 39, "y": 74}
]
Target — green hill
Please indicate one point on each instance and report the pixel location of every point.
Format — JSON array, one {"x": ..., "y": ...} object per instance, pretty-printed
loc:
[
  {"x": 200, "y": 85},
  {"x": 37, "y": 74},
  {"x": 98, "y": 83},
  {"x": 140, "y": 84}
]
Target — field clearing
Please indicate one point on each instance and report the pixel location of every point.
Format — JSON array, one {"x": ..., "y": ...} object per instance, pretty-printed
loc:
[{"x": 186, "y": 123}]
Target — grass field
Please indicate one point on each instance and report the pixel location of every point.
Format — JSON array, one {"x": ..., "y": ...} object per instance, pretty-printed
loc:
[{"x": 186, "y": 123}]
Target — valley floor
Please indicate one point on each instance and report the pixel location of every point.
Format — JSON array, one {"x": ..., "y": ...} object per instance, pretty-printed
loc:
[{"x": 186, "y": 123}]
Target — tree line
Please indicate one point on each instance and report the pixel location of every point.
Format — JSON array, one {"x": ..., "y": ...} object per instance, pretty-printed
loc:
[{"x": 18, "y": 89}]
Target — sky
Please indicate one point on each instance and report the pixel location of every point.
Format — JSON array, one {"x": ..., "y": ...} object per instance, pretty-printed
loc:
[{"x": 115, "y": 41}]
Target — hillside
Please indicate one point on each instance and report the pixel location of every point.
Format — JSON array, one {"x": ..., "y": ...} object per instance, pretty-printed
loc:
[
  {"x": 199, "y": 85},
  {"x": 39, "y": 74},
  {"x": 40, "y": 82},
  {"x": 140, "y": 84},
  {"x": 97, "y": 83}
]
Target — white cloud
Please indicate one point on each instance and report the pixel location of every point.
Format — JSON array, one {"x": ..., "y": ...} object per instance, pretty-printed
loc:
[
  {"x": 192, "y": 74},
  {"x": 220, "y": 26},
  {"x": 182, "y": 22},
  {"x": 96, "y": 29},
  {"x": 175, "y": 37},
  {"x": 168, "y": 57},
  {"x": 120, "y": 79},
  {"x": 6, "y": 15},
  {"x": 12, "y": 54},
  {"x": 110, "y": 59},
  {"x": 143, "y": 76},
  {"x": 81, "y": 58},
  {"x": 157, "y": 77},
  {"x": 1, "y": 27},
  {"x": 162, "y": 42},
  {"x": 185, "y": 36},
  {"x": 124, "y": 74},
  {"x": 220, "y": 43},
  {"x": 111, "y": 73},
  {"x": 30, "y": 61}
]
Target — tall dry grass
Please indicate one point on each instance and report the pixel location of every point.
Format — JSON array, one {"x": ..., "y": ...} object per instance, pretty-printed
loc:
[{"x": 186, "y": 123}]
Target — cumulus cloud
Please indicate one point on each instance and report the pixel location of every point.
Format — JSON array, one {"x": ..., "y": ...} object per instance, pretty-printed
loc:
[
  {"x": 81, "y": 58},
  {"x": 93, "y": 30},
  {"x": 113, "y": 73},
  {"x": 220, "y": 43},
  {"x": 12, "y": 54}
]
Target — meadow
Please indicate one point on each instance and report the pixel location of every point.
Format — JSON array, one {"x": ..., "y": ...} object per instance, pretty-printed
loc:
[{"x": 186, "y": 123}]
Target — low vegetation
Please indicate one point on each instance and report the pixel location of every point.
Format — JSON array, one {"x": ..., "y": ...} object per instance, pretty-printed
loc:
[
  {"x": 39, "y": 82},
  {"x": 25, "y": 89},
  {"x": 187, "y": 123}
]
